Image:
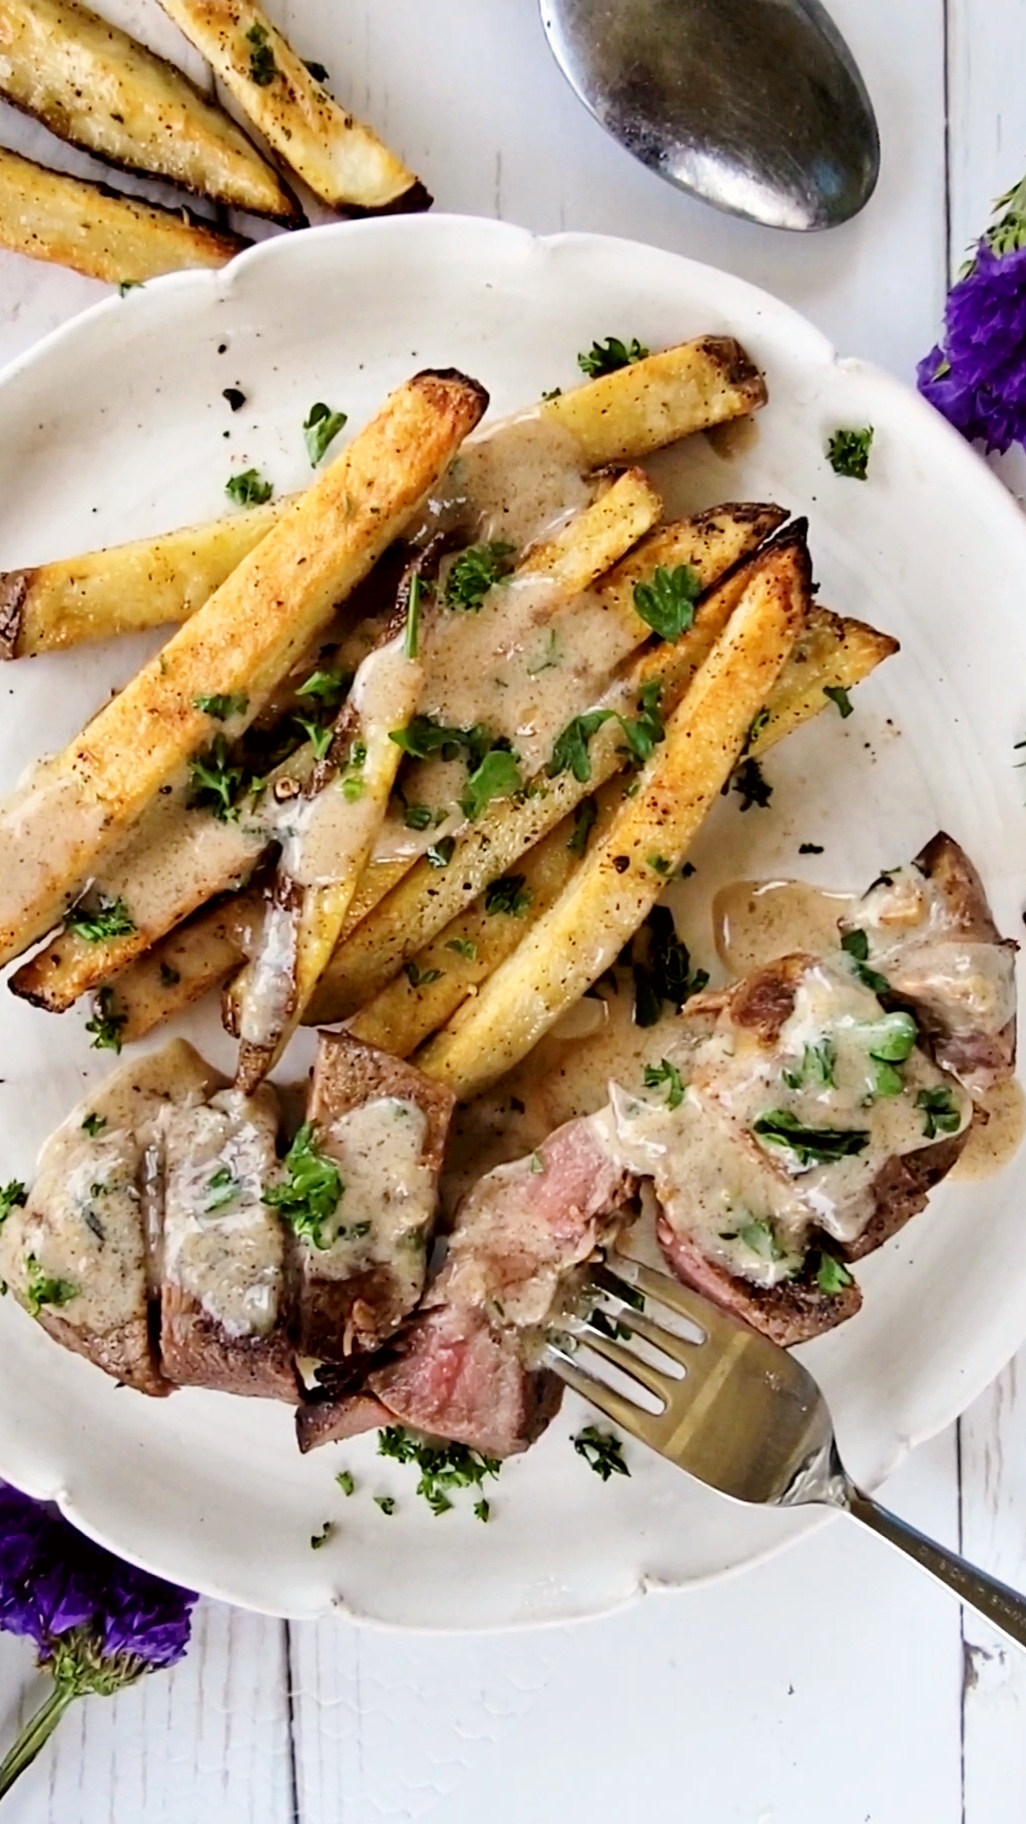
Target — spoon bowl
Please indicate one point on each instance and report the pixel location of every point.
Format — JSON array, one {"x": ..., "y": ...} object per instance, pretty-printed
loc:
[{"x": 755, "y": 106}]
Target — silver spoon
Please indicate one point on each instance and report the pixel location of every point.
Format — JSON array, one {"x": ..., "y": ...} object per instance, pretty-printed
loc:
[{"x": 756, "y": 106}]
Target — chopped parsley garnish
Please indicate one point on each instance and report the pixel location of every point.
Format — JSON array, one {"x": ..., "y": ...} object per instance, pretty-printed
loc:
[
  {"x": 508, "y": 894},
  {"x": 891, "y": 1040},
  {"x": 667, "y": 603},
  {"x": 760, "y": 1236},
  {"x": 411, "y": 640},
  {"x": 645, "y": 730},
  {"x": 571, "y": 752},
  {"x": 817, "y": 1066},
  {"x": 497, "y": 776},
  {"x": 317, "y": 70},
  {"x": 13, "y": 1195},
  {"x": 235, "y": 397},
  {"x": 665, "y": 975},
  {"x": 327, "y": 687},
  {"x": 443, "y": 1466},
  {"x": 169, "y": 976},
  {"x": 249, "y": 489},
  {"x": 463, "y": 947},
  {"x": 606, "y": 357},
  {"x": 222, "y": 708},
  {"x": 832, "y": 1276},
  {"x": 482, "y": 1510},
  {"x": 602, "y": 1451},
  {"x": 754, "y": 788},
  {"x": 475, "y": 571},
  {"x": 314, "y": 1188},
  {"x": 92, "y": 1125},
  {"x": 222, "y": 1189},
  {"x": 585, "y": 814},
  {"x": 319, "y": 734},
  {"x": 346, "y": 1482},
  {"x": 839, "y": 695},
  {"x": 219, "y": 784},
  {"x": 941, "y": 1112},
  {"x": 321, "y": 1538},
  {"x": 658, "y": 1074},
  {"x": 386, "y": 1504},
  {"x": 98, "y": 924},
  {"x": 418, "y": 816},
  {"x": 262, "y": 67},
  {"x": 810, "y": 1145},
  {"x": 423, "y": 737},
  {"x": 320, "y": 428},
  {"x": 441, "y": 853},
  {"x": 660, "y": 864},
  {"x": 554, "y": 392},
  {"x": 106, "y": 1024},
  {"x": 128, "y": 285},
  {"x": 420, "y": 978},
  {"x": 848, "y": 452},
  {"x": 42, "y": 1289},
  {"x": 855, "y": 945},
  {"x": 536, "y": 1165}
]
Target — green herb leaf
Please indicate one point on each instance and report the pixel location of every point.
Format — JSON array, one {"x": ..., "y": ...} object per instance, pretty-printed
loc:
[
  {"x": 855, "y": 945},
  {"x": 320, "y": 428},
  {"x": 475, "y": 571},
  {"x": 463, "y": 947},
  {"x": 657, "y": 1074},
  {"x": 42, "y": 1289},
  {"x": 941, "y": 1111},
  {"x": 328, "y": 687},
  {"x": 262, "y": 67},
  {"x": 420, "y": 978},
  {"x": 665, "y": 975},
  {"x": 887, "y": 1080},
  {"x": 310, "y": 1197},
  {"x": 222, "y": 1189},
  {"x": 585, "y": 814},
  {"x": 346, "y": 1482},
  {"x": 645, "y": 731},
  {"x": 319, "y": 734},
  {"x": 536, "y": 1164},
  {"x": 606, "y": 357},
  {"x": 748, "y": 779},
  {"x": 128, "y": 285},
  {"x": 441, "y": 853},
  {"x": 106, "y": 1023},
  {"x": 442, "y": 1466},
  {"x": 249, "y": 489},
  {"x": 892, "y": 1039},
  {"x": 321, "y": 1538},
  {"x": 97, "y": 924},
  {"x": 482, "y": 1510},
  {"x": 92, "y": 1125},
  {"x": 219, "y": 784},
  {"x": 570, "y": 753},
  {"x": 602, "y": 1451},
  {"x": 660, "y": 864},
  {"x": 667, "y": 603},
  {"x": 810, "y": 1145},
  {"x": 411, "y": 640},
  {"x": 497, "y": 776},
  {"x": 832, "y": 1276},
  {"x": 386, "y": 1504},
  {"x": 222, "y": 708},
  {"x": 418, "y": 816},
  {"x": 14, "y": 1196},
  {"x": 423, "y": 736},
  {"x": 848, "y": 453},
  {"x": 508, "y": 894},
  {"x": 839, "y": 695},
  {"x": 761, "y": 1237}
]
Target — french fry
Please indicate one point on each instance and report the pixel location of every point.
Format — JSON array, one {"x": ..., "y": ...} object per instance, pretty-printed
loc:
[
  {"x": 96, "y": 87},
  {"x": 342, "y": 161},
  {"x": 621, "y": 878},
  {"x": 149, "y": 583},
  {"x": 641, "y": 408},
  {"x": 93, "y": 229},
  {"x": 620, "y": 417},
  {"x": 72, "y": 812},
  {"x": 829, "y": 651}
]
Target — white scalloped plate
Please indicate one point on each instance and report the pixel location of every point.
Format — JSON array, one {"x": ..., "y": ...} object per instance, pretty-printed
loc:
[{"x": 116, "y": 427}]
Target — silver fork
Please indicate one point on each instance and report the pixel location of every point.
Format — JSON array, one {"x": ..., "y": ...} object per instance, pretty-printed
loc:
[{"x": 740, "y": 1414}]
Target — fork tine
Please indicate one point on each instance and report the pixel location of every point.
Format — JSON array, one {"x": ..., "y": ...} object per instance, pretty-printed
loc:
[
  {"x": 673, "y": 1295},
  {"x": 630, "y": 1364},
  {"x": 679, "y": 1348},
  {"x": 622, "y": 1411}
]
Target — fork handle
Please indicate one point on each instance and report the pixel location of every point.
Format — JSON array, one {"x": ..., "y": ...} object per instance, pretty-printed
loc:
[{"x": 1004, "y": 1608}]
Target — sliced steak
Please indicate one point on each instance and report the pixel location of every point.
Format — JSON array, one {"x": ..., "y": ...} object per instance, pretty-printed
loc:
[
  {"x": 462, "y": 1376},
  {"x": 78, "y": 1255},
  {"x": 337, "y": 1406},
  {"x": 384, "y": 1124},
  {"x": 930, "y": 932},
  {"x": 224, "y": 1313},
  {"x": 791, "y": 1312}
]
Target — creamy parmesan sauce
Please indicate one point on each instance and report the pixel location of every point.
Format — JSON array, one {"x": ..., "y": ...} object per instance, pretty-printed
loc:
[
  {"x": 388, "y": 1198},
  {"x": 755, "y": 921},
  {"x": 915, "y": 941},
  {"x": 43, "y": 824},
  {"x": 993, "y": 1142},
  {"x": 519, "y": 481},
  {"x": 222, "y": 1245},
  {"x": 264, "y": 989}
]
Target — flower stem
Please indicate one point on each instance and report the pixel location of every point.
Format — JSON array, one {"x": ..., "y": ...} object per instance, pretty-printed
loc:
[{"x": 35, "y": 1735}]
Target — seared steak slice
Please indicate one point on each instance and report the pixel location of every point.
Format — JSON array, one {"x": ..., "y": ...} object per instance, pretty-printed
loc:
[
  {"x": 337, "y": 1406},
  {"x": 930, "y": 931},
  {"x": 78, "y": 1254},
  {"x": 384, "y": 1124},
  {"x": 791, "y": 1312},
  {"x": 467, "y": 1366},
  {"x": 224, "y": 1317}
]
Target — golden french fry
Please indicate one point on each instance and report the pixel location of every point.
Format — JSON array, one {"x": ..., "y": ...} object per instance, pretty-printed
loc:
[
  {"x": 621, "y": 417},
  {"x": 621, "y": 878},
  {"x": 96, "y": 87},
  {"x": 342, "y": 161},
  {"x": 93, "y": 229},
  {"x": 58, "y": 827},
  {"x": 185, "y": 964}
]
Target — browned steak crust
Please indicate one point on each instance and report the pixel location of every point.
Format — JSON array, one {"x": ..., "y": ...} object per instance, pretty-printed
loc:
[
  {"x": 901, "y": 1189},
  {"x": 197, "y": 1352},
  {"x": 793, "y": 1312},
  {"x": 127, "y": 1353}
]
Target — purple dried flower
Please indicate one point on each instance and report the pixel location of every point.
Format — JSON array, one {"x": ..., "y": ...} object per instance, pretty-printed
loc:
[
  {"x": 977, "y": 376},
  {"x": 99, "y": 1624}
]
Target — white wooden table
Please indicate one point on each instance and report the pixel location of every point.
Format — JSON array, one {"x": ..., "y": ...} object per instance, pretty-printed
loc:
[{"x": 833, "y": 1684}]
